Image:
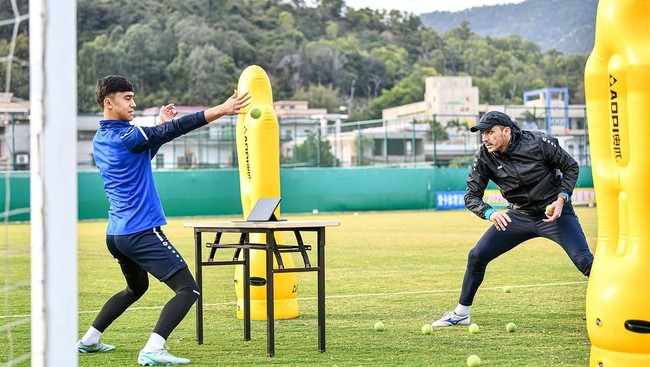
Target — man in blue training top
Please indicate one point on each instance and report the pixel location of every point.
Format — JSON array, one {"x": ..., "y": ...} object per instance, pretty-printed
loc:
[
  {"x": 134, "y": 237},
  {"x": 536, "y": 176}
]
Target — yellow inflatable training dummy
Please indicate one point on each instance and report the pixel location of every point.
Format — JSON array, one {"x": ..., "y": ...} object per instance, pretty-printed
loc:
[
  {"x": 258, "y": 153},
  {"x": 617, "y": 85}
]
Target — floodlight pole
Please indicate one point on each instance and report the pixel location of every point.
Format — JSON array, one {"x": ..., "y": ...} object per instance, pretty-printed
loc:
[{"x": 53, "y": 184}]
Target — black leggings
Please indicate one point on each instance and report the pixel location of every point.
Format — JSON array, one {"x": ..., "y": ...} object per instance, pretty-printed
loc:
[
  {"x": 137, "y": 283},
  {"x": 187, "y": 292},
  {"x": 566, "y": 231}
]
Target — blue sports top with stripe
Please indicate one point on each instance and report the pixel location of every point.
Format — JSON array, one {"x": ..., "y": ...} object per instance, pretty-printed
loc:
[{"x": 123, "y": 154}]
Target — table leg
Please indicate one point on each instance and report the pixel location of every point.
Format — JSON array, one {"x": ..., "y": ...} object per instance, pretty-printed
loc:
[
  {"x": 270, "y": 311},
  {"x": 199, "y": 282},
  {"x": 321, "y": 289},
  {"x": 247, "y": 295}
]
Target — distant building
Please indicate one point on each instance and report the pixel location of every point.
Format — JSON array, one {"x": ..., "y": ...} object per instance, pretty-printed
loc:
[
  {"x": 405, "y": 135},
  {"x": 296, "y": 109},
  {"x": 453, "y": 102},
  {"x": 548, "y": 110},
  {"x": 14, "y": 133},
  {"x": 298, "y": 121},
  {"x": 447, "y": 98}
]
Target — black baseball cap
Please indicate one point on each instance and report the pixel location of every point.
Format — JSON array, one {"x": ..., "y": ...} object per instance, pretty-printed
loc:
[{"x": 490, "y": 119}]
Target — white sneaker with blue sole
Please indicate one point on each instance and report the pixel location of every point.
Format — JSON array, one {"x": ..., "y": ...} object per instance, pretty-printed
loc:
[
  {"x": 451, "y": 319},
  {"x": 98, "y": 347},
  {"x": 160, "y": 358}
]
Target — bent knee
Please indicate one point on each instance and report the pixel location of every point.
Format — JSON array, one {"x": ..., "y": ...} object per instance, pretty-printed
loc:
[
  {"x": 582, "y": 261},
  {"x": 474, "y": 257},
  {"x": 137, "y": 291},
  {"x": 192, "y": 292},
  {"x": 584, "y": 265},
  {"x": 479, "y": 257}
]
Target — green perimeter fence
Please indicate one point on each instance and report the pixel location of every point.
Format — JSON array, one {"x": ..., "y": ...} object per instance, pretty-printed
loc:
[{"x": 216, "y": 192}]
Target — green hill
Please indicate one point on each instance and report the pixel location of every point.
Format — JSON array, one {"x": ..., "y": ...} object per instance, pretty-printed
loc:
[{"x": 564, "y": 25}]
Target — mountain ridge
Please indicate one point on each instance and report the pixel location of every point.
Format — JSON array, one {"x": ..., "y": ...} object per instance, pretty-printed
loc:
[{"x": 565, "y": 25}]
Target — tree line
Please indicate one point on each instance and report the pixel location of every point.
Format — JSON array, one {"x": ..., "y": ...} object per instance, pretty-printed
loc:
[{"x": 344, "y": 59}]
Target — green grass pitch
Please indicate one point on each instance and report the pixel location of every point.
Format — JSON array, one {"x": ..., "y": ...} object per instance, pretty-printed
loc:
[{"x": 403, "y": 268}]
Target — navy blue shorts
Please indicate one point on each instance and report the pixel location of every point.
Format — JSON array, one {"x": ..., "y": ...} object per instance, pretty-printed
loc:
[{"x": 150, "y": 249}]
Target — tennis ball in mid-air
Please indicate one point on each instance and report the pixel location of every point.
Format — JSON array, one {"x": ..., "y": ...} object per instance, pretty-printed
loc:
[
  {"x": 473, "y": 329},
  {"x": 256, "y": 113},
  {"x": 427, "y": 329},
  {"x": 511, "y": 327},
  {"x": 473, "y": 361},
  {"x": 379, "y": 326}
]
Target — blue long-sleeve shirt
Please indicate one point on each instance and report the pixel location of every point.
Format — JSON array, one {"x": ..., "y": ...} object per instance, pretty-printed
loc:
[{"x": 123, "y": 154}]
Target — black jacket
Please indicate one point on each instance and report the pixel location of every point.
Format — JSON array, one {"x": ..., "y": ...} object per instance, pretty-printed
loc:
[{"x": 530, "y": 174}]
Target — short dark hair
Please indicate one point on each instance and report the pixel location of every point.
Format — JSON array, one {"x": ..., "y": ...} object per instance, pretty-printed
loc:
[{"x": 109, "y": 85}]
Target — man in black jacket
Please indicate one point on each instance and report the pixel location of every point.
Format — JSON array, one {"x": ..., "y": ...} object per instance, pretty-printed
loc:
[{"x": 536, "y": 176}]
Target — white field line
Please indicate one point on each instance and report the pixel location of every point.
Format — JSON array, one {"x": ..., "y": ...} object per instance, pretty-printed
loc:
[
  {"x": 446, "y": 290},
  {"x": 360, "y": 295}
]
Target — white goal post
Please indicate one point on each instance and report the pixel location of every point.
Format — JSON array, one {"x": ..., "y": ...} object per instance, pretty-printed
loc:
[{"x": 53, "y": 192}]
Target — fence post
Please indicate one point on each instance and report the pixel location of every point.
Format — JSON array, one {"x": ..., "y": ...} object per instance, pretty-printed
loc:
[
  {"x": 435, "y": 141},
  {"x": 318, "y": 157},
  {"x": 359, "y": 146}
]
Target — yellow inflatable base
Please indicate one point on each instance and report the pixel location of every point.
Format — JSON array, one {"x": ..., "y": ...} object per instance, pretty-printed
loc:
[
  {"x": 284, "y": 309},
  {"x": 285, "y": 289},
  {"x": 609, "y": 358}
]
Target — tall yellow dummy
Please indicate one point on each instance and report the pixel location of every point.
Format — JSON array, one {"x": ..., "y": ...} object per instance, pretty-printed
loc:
[
  {"x": 617, "y": 85},
  {"x": 258, "y": 150}
]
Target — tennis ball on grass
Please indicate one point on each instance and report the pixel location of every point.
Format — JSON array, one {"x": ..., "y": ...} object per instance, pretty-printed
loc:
[
  {"x": 473, "y": 329},
  {"x": 511, "y": 327},
  {"x": 473, "y": 361},
  {"x": 427, "y": 329},
  {"x": 379, "y": 326},
  {"x": 507, "y": 289},
  {"x": 256, "y": 113}
]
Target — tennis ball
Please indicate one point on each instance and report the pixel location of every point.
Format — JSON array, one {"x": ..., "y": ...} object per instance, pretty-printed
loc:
[
  {"x": 473, "y": 361},
  {"x": 473, "y": 329},
  {"x": 379, "y": 326},
  {"x": 507, "y": 289},
  {"x": 427, "y": 329},
  {"x": 255, "y": 113},
  {"x": 549, "y": 210},
  {"x": 511, "y": 327},
  {"x": 315, "y": 211}
]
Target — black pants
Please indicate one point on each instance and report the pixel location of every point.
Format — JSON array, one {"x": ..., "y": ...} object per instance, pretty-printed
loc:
[
  {"x": 180, "y": 282},
  {"x": 566, "y": 231}
]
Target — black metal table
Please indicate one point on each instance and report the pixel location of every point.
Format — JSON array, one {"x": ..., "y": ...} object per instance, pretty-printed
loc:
[{"x": 272, "y": 249}]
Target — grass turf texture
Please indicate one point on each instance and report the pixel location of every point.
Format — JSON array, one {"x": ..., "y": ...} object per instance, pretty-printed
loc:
[{"x": 401, "y": 268}]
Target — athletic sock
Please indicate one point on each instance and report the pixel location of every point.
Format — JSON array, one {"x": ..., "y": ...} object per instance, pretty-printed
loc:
[
  {"x": 155, "y": 342},
  {"x": 462, "y": 310},
  {"x": 91, "y": 337}
]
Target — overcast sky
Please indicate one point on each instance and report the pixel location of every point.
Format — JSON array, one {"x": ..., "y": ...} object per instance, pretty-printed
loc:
[{"x": 425, "y": 6}]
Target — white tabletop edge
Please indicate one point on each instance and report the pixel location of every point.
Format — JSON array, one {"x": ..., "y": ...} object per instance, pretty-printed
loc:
[{"x": 271, "y": 224}]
